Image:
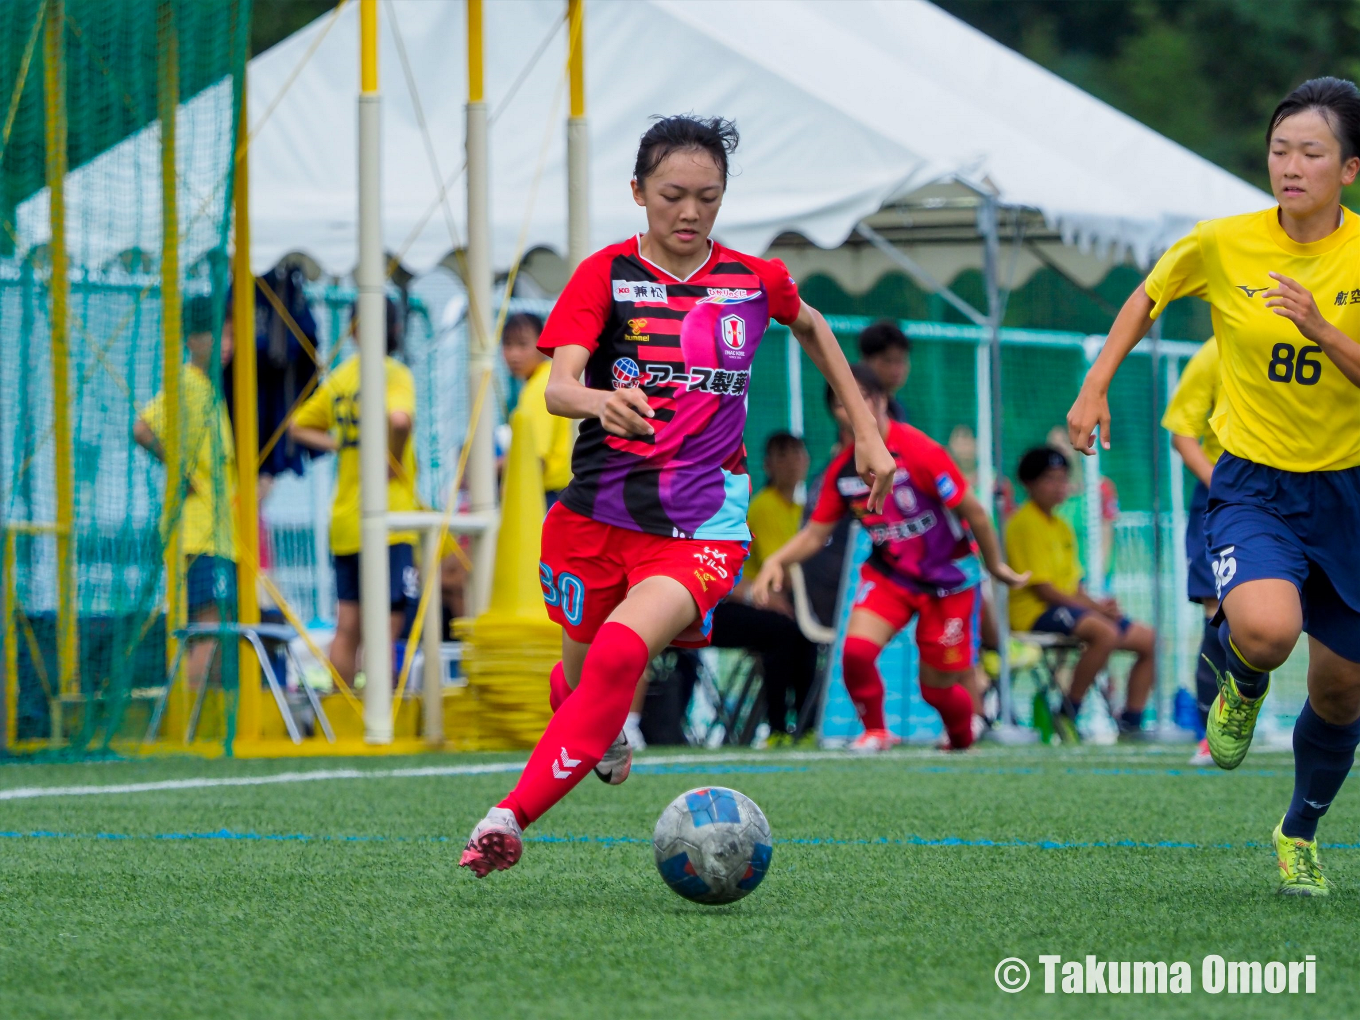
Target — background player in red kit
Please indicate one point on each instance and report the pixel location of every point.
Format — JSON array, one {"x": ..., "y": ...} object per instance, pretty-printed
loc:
[
  {"x": 923, "y": 564},
  {"x": 651, "y": 533}
]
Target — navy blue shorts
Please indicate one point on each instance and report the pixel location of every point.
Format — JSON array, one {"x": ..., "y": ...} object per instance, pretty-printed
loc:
[
  {"x": 1064, "y": 620},
  {"x": 1291, "y": 526},
  {"x": 1199, "y": 580},
  {"x": 401, "y": 566},
  {"x": 210, "y": 581}
]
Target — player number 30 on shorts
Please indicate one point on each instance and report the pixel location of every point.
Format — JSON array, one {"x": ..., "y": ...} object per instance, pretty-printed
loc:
[{"x": 567, "y": 591}]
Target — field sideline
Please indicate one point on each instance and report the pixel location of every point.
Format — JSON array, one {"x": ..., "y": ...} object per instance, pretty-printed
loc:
[{"x": 184, "y": 888}]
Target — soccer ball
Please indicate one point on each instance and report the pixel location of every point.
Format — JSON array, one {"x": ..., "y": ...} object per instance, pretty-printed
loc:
[{"x": 712, "y": 845}]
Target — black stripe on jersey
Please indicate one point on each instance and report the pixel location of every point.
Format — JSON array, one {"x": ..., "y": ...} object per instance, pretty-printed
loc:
[
  {"x": 645, "y": 311},
  {"x": 733, "y": 269}
]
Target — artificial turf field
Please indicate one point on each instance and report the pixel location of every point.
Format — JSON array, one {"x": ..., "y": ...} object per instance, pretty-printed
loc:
[{"x": 897, "y": 885}]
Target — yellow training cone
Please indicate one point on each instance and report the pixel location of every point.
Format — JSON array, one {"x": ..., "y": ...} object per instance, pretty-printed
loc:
[{"x": 515, "y": 589}]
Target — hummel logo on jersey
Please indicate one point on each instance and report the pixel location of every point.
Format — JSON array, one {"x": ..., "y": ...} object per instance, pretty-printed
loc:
[
  {"x": 564, "y": 771},
  {"x": 1251, "y": 291},
  {"x": 639, "y": 291}
]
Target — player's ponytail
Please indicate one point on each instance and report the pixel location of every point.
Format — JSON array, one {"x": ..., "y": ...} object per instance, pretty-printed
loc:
[
  {"x": 1336, "y": 100},
  {"x": 714, "y": 135}
]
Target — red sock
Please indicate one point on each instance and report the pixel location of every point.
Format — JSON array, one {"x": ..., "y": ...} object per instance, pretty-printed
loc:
[
  {"x": 585, "y": 724},
  {"x": 955, "y": 706},
  {"x": 558, "y": 688},
  {"x": 859, "y": 663}
]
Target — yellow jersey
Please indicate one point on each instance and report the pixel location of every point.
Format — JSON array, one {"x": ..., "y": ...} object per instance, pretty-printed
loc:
[
  {"x": 1285, "y": 404},
  {"x": 1191, "y": 407},
  {"x": 334, "y": 407},
  {"x": 552, "y": 435},
  {"x": 773, "y": 520},
  {"x": 1046, "y": 546},
  {"x": 208, "y": 452}
]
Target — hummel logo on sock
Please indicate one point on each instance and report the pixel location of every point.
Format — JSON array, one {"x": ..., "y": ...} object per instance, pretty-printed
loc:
[{"x": 564, "y": 770}]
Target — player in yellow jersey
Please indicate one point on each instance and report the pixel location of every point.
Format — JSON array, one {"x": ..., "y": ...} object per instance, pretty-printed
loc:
[
  {"x": 1284, "y": 504},
  {"x": 1187, "y": 419},
  {"x": 552, "y": 436},
  {"x": 329, "y": 420},
  {"x": 208, "y": 460}
]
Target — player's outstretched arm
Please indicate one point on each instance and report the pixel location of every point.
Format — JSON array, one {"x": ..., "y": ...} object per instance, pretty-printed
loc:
[
  {"x": 1295, "y": 302},
  {"x": 1092, "y": 406},
  {"x": 623, "y": 412},
  {"x": 313, "y": 439},
  {"x": 873, "y": 462},
  {"x": 146, "y": 439},
  {"x": 802, "y": 546},
  {"x": 972, "y": 511}
]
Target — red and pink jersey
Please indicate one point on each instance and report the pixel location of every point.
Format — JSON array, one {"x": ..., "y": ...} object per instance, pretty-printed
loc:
[
  {"x": 688, "y": 344},
  {"x": 919, "y": 541}
]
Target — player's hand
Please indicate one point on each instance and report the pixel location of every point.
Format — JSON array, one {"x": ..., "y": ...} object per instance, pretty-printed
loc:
[
  {"x": 1006, "y": 574},
  {"x": 625, "y": 413},
  {"x": 770, "y": 579},
  {"x": 1090, "y": 409},
  {"x": 876, "y": 468},
  {"x": 1109, "y": 607},
  {"x": 1295, "y": 302}
]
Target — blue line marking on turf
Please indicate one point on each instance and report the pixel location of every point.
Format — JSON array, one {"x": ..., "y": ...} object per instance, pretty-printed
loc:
[{"x": 228, "y": 835}]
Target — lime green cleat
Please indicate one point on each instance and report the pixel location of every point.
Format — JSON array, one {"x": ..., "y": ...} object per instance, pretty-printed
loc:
[
  {"x": 1300, "y": 874},
  {"x": 1232, "y": 721}
]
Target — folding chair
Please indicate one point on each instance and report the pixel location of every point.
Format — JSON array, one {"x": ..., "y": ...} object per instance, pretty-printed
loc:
[{"x": 256, "y": 635}]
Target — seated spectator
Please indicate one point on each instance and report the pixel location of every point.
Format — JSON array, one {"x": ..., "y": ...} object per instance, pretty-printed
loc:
[
  {"x": 887, "y": 350},
  {"x": 552, "y": 435},
  {"x": 1055, "y": 600},
  {"x": 789, "y": 659}
]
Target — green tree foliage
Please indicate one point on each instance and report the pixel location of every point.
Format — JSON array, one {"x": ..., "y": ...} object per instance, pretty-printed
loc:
[{"x": 1206, "y": 73}]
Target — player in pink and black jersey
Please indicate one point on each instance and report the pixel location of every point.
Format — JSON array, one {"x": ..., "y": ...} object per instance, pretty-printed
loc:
[
  {"x": 651, "y": 533},
  {"x": 926, "y": 537}
]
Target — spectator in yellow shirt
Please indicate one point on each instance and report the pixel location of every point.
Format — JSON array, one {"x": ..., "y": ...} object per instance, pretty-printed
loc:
[
  {"x": 208, "y": 481},
  {"x": 329, "y": 421},
  {"x": 1055, "y": 601},
  {"x": 789, "y": 659},
  {"x": 552, "y": 435}
]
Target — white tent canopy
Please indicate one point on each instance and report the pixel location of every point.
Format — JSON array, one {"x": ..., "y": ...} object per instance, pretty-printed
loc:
[{"x": 843, "y": 109}]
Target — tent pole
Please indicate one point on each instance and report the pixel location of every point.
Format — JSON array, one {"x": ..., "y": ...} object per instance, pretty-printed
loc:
[
  {"x": 172, "y": 353},
  {"x": 375, "y": 600},
  {"x": 990, "y": 229},
  {"x": 244, "y": 391},
  {"x": 481, "y": 468},
  {"x": 54, "y": 87},
  {"x": 1158, "y": 688},
  {"x": 578, "y": 139}
]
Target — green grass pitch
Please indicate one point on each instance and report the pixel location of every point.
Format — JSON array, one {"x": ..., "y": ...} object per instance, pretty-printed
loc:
[{"x": 897, "y": 885}]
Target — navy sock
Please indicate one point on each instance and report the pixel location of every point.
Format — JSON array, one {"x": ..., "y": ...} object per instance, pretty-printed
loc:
[
  {"x": 1251, "y": 682},
  {"x": 1323, "y": 755},
  {"x": 1131, "y": 719},
  {"x": 1206, "y": 684}
]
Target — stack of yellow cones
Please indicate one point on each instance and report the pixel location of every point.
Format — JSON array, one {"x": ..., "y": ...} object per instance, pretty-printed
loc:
[{"x": 512, "y": 647}]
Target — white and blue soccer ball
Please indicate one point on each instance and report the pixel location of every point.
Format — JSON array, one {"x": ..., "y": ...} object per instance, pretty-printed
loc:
[{"x": 712, "y": 845}]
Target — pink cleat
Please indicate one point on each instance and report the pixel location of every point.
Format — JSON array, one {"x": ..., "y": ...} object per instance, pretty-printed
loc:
[
  {"x": 495, "y": 844},
  {"x": 873, "y": 741}
]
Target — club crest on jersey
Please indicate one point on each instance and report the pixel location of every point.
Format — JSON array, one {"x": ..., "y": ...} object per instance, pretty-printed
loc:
[
  {"x": 639, "y": 291},
  {"x": 733, "y": 328},
  {"x": 626, "y": 374},
  {"x": 905, "y": 498}
]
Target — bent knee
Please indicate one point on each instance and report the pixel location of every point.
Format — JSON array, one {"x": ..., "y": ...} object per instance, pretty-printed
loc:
[{"x": 1263, "y": 646}]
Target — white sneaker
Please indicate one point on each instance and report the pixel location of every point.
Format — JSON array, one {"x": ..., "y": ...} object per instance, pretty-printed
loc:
[
  {"x": 617, "y": 761},
  {"x": 1202, "y": 758},
  {"x": 495, "y": 844}
]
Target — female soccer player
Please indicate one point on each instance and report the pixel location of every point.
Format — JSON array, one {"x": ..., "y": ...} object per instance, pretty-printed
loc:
[
  {"x": 923, "y": 563},
  {"x": 1284, "y": 502},
  {"x": 651, "y": 533}
]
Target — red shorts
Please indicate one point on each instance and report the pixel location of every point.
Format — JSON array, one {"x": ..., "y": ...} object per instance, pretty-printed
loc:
[
  {"x": 947, "y": 630},
  {"x": 587, "y": 568}
]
